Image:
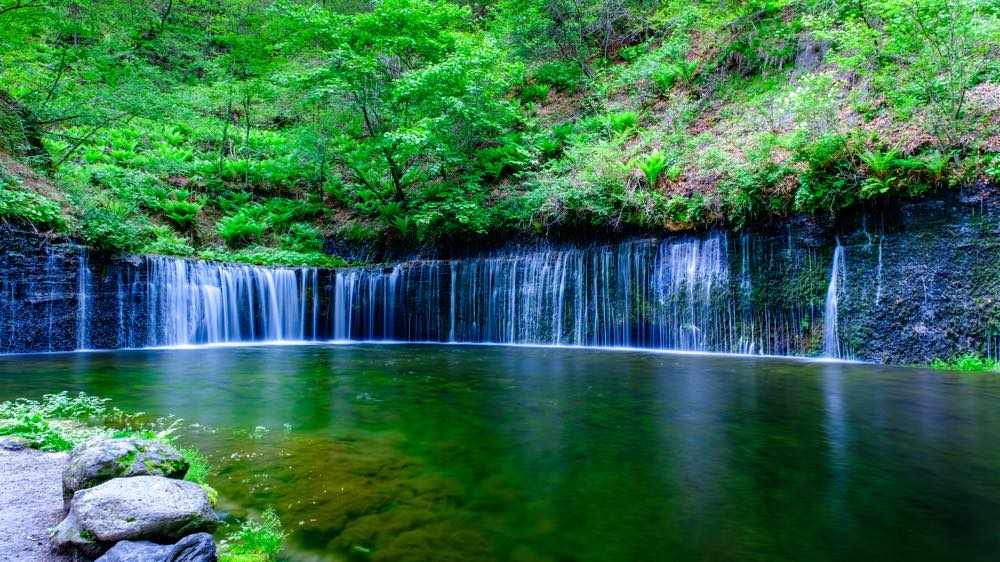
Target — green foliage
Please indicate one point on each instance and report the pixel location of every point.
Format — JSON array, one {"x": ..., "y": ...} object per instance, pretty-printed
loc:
[
  {"x": 198, "y": 468},
  {"x": 166, "y": 242},
  {"x": 967, "y": 362},
  {"x": 424, "y": 120},
  {"x": 743, "y": 192},
  {"x": 652, "y": 165},
  {"x": 535, "y": 92},
  {"x": 241, "y": 229},
  {"x": 179, "y": 210},
  {"x": 830, "y": 181},
  {"x": 263, "y": 255},
  {"x": 57, "y": 422},
  {"x": 261, "y": 541},
  {"x": 664, "y": 79},
  {"x": 687, "y": 210},
  {"x": 562, "y": 75},
  {"x": 110, "y": 227},
  {"x": 28, "y": 207}
]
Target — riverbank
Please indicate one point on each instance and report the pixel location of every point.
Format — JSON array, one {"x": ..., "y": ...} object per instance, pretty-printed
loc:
[
  {"x": 31, "y": 503},
  {"x": 124, "y": 482}
]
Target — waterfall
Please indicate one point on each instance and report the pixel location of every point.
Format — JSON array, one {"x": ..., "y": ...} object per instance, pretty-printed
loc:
[
  {"x": 878, "y": 274},
  {"x": 195, "y": 302},
  {"x": 656, "y": 294},
  {"x": 699, "y": 293},
  {"x": 831, "y": 339},
  {"x": 83, "y": 302}
]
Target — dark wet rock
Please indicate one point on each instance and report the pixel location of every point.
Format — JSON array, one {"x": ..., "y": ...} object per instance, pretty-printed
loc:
[
  {"x": 199, "y": 547},
  {"x": 14, "y": 443},
  {"x": 100, "y": 460},
  {"x": 136, "y": 551},
  {"x": 150, "y": 508}
]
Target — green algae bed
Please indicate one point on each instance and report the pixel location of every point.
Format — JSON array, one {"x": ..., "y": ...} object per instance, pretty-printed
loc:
[{"x": 469, "y": 453}]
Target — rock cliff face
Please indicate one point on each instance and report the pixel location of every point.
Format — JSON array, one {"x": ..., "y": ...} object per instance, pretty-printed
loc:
[{"x": 907, "y": 284}]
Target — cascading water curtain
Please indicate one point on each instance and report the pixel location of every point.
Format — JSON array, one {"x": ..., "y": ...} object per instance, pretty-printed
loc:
[
  {"x": 694, "y": 294},
  {"x": 195, "y": 302},
  {"x": 670, "y": 295}
]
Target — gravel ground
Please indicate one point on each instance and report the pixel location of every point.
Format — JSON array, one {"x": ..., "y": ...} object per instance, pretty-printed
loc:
[{"x": 30, "y": 504}]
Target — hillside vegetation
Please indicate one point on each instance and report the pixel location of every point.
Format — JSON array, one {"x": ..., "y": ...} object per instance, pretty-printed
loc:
[{"x": 256, "y": 130}]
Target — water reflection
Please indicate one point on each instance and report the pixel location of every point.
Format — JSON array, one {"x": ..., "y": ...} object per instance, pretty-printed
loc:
[{"x": 541, "y": 454}]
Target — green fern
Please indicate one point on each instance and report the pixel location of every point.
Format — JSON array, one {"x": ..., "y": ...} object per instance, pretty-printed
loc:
[{"x": 652, "y": 166}]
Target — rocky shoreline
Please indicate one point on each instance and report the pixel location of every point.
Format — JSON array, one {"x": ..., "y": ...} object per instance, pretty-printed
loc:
[
  {"x": 120, "y": 500},
  {"x": 31, "y": 503}
]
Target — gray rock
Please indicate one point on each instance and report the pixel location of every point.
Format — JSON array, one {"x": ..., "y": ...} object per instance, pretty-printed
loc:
[
  {"x": 14, "y": 443},
  {"x": 142, "y": 508},
  {"x": 136, "y": 551},
  {"x": 99, "y": 460},
  {"x": 199, "y": 547}
]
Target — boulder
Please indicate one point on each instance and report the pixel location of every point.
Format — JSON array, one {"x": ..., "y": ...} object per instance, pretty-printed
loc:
[
  {"x": 99, "y": 460},
  {"x": 142, "y": 508},
  {"x": 14, "y": 443},
  {"x": 194, "y": 548}
]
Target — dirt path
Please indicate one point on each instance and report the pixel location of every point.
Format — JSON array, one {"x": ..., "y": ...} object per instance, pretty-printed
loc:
[{"x": 30, "y": 504}]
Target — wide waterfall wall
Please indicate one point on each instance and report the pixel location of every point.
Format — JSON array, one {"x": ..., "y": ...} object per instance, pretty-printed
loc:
[
  {"x": 905, "y": 285},
  {"x": 685, "y": 294}
]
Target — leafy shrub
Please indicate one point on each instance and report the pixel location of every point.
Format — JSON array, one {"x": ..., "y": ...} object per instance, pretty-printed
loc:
[
  {"x": 30, "y": 208},
  {"x": 967, "y": 362},
  {"x": 262, "y": 255},
  {"x": 241, "y": 229},
  {"x": 691, "y": 210},
  {"x": 110, "y": 228},
  {"x": 261, "y": 541},
  {"x": 684, "y": 70},
  {"x": 664, "y": 79},
  {"x": 743, "y": 192},
  {"x": 612, "y": 122},
  {"x": 549, "y": 147},
  {"x": 57, "y": 422},
  {"x": 535, "y": 92},
  {"x": 167, "y": 242},
  {"x": 303, "y": 238},
  {"x": 830, "y": 181},
  {"x": 495, "y": 162},
  {"x": 179, "y": 210},
  {"x": 652, "y": 165},
  {"x": 563, "y": 75},
  {"x": 631, "y": 53}
]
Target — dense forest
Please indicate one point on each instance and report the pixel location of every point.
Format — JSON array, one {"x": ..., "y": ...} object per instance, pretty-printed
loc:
[{"x": 263, "y": 131}]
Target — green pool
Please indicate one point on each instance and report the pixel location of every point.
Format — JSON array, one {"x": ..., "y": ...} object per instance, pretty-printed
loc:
[{"x": 471, "y": 453}]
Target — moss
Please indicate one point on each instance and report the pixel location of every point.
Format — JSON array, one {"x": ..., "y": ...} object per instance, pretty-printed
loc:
[{"x": 212, "y": 493}]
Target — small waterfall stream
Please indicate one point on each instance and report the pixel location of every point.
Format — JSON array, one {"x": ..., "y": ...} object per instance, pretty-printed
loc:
[
  {"x": 831, "y": 338},
  {"x": 83, "y": 302}
]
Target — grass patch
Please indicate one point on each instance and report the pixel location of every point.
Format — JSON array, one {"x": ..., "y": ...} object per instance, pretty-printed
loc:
[{"x": 969, "y": 362}]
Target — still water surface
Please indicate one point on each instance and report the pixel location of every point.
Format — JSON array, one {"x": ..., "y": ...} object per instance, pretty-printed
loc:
[{"x": 476, "y": 453}]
